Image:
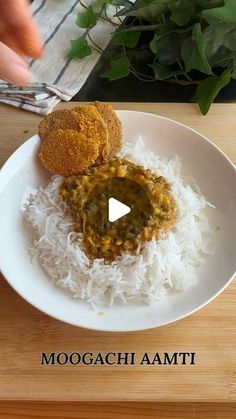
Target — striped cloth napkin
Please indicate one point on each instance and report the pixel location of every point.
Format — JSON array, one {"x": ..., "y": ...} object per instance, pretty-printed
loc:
[{"x": 55, "y": 77}]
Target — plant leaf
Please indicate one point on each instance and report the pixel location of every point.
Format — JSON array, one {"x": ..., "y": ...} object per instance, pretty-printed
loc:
[
  {"x": 225, "y": 14},
  {"x": 182, "y": 11},
  {"x": 125, "y": 4},
  {"x": 209, "y": 88},
  {"x": 193, "y": 51},
  {"x": 221, "y": 34},
  {"x": 129, "y": 39},
  {"x": 119, "y": 69},
  {"x": 167, "y": 46},
  {"x": 209, "y": 4},
  {"x": 220, "y": 58},
  {"x": 87, "y": 19},
  {"x": 148, "y": 10},
  {"x": 79, "y": 48},
  {"x": 162, "y": 72}
]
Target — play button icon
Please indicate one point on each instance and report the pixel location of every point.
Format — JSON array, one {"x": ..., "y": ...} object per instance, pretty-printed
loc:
[
  {"x": 114, "y": 216},
  {"x": 116, "y": 210}
]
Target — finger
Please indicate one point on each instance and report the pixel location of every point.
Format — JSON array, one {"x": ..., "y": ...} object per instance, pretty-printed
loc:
[
  {"x": 8, "y": 40},
  {"x": 17, "y": 17},
  {"x": 13, "y": 68}
]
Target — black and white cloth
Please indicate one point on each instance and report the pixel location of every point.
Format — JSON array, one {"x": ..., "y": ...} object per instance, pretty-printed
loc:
[{"x": 56, "y": 77}]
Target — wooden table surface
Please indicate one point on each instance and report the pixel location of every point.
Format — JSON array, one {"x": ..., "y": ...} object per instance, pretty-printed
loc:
[{"x": 27, "y": 390}]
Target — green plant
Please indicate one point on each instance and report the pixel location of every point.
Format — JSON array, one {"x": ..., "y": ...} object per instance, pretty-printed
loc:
[{"x": 167, "y": 40}]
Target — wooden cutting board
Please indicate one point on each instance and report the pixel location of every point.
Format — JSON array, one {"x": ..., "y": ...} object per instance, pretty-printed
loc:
[{"x": 211, "y": 333}]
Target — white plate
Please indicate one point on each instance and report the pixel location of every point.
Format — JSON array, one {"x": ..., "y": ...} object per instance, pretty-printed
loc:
[{"x": 215, "y": 175}]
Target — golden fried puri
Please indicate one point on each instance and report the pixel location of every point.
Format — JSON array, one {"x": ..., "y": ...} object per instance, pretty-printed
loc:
[
  {"x": 68, "y": 152},
  {"x": 75, "y": 139},
  {"x": 113, "y": 124},
  {"x": 63, "y": 119},
  {"x": 93, "y": 126}
]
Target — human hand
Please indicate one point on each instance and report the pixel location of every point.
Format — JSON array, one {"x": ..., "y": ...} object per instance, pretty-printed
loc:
[{"x": 18, "y": 38}]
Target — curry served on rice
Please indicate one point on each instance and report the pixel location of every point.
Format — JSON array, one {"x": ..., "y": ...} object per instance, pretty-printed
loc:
[{"x": 153, "y": 209}]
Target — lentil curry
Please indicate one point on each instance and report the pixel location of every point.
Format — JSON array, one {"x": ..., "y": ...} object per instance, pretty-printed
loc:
[{"x": 153, "y": 208}]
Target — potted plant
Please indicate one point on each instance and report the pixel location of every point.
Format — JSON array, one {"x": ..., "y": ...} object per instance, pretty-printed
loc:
[{"x": 188, "y": 42}]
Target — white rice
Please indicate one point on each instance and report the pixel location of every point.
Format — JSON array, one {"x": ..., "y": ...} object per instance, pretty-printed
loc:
[{"x": 164, "y": 265}]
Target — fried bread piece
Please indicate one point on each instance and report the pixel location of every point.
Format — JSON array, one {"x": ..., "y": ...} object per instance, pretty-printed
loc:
[
  {"x": 93, "y": 126},
  {"x": 68, "y": 152},
  {"x": 113, "y": 124},
  {"x": 62, "y": 119}
]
